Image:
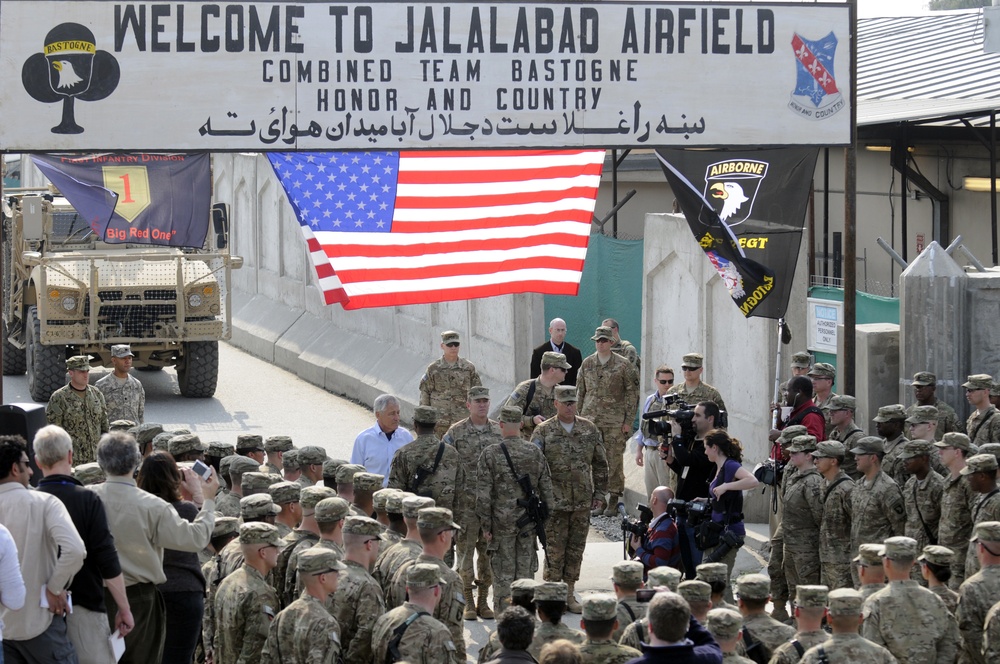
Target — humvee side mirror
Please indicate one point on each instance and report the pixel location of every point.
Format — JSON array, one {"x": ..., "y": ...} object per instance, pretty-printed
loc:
[{"x": 220, "y": 224}]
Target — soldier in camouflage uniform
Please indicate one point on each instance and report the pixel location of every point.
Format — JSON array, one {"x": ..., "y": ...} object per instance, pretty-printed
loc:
[
  {"x": 877, "y": 507},
  {"x": 608, "y": 389},
  {"x": 123, "y": 393},
  {"x": 869, "y": 569},
  {"x": 840, "y": 413},
  {"x": 802, "y": 513},
  {"x": 762, "y": 633},
  {"x": 980, "y": 472},
  {"x": 244, "y": 604},
  {"x": 991, "y": 635},
  {"x": 229, "y": 504},
  {"x": 345, "y": 485},
  {"x": 810, "y": 607},
  {"x": 890, "y": 423},
  {"x": 79, "y": 408},
  {"x": 716, "y": 575},
  {"x": 845, "y": 645},
  {"x": 522, "y": 594},
  {"x": 253, "y": 509},
  {"x": 436, "y": 532},
  {"x": 626, "y": 578},
  {"x": 910, "y": 621},
  {"x": 305, "y": 632},
  {"x": 307, "y": 531},
  {"x": 312, "y": 462},
  {"x": 358, "y": 598},
  {"x": 693, "y": 390},
  {"x": 550, "y": 602},
  {"x": 922, "y": 496},
  {"x": 923, "y": 426},
  {"x": 698, "y": 595},
  {"x": 621, "y": 346},
  {"x": 330, "y": 515},
  {"x": 512, "y": 549},
  {"x": 599, "y": 623},
  {"x": 776, "y": 560},
  {"x": 408, "y": 548},
  {"x": 979, "y": 592},
  {"x": 924, "y": 387},
  {"x": 446, "y": 382},
  {"x": 424, "y": 640},
  {"x": 290, "y": 468},
  {"x": 541, "y": 406},
  {"x": 955, "y": 525},
  {"x": 983, "y": 425},
  {"x": 579, "y": 470},
  {"x": 725, "y": 626},
  {"x": 637, "y": 633},
  {"x": 286, "y": 496},
  {"x": 835, "y": 527},
  {"x": 275, "y": 448},
  {"x": 470, "y": 437},
  {"x": 250, "y": 445},
  {"x": 935, "y": 567},
  {"x": 225, "y": 530},
  {"x": 442, "y": 477},
  {"x": 822, "y": 376}
]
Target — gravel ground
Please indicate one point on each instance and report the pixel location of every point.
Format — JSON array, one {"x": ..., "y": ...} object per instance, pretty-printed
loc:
[{"x": 609, "y": 526}]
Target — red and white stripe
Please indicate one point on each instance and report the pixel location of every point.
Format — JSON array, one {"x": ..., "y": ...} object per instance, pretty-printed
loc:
[{"x": 468, "y": 225}]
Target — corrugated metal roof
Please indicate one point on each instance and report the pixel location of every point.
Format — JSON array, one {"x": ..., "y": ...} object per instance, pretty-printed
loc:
[{"x": 925, "y": 67}]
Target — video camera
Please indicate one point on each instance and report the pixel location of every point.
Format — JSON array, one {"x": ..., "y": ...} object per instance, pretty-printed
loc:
[
  {"x": 693, "y": 511},
  {"x": 682, "y": 413},
  {"x": 633, "y": 526}
]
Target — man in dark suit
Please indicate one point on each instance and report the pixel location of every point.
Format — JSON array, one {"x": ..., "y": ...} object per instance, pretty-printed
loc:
[{"x": 557, "y": 343}]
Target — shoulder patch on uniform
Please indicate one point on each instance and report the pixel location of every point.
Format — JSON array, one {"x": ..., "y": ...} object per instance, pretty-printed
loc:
[
  {"x": 334, "y": 637},
  {"x": 269, "y": 611},
  {"x": 450, "y": 646},
  {"x": 460, "y": 598}
]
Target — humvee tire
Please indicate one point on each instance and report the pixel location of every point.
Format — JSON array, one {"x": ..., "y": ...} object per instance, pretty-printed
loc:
[
  {"x": 198, "y": 372},
  {"x": 14, "y": 362},
  {"x": 46, "y": 365}
]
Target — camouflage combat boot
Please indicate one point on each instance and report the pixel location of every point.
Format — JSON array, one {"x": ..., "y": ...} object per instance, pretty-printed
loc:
[
  {"x": 484, "y": 609},
  {"x": 470, "y": 603}
]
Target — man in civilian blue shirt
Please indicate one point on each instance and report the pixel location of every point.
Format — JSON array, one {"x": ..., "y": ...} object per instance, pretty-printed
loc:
[{"x": 375, "y": 446}]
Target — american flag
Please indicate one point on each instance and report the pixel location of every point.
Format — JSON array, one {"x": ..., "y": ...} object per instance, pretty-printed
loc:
[{"x": 396, "y": 228}]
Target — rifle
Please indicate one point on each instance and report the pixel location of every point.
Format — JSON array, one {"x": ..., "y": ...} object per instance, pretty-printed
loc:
[
  {"x": 392, "y": 653},
  {"x": 535, "y": 509}
]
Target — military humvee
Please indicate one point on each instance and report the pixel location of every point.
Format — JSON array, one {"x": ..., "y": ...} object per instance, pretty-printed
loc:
[{"x": 66, "y": 292}]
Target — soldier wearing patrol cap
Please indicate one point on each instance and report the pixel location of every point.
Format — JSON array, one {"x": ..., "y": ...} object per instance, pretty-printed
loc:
[
  {"x": 776, "y": 561},
  {"x": 626, "y": 579},
  {"x": 365, "y": 485},
  {"x": 890, "y": 424},
  {"x": 535, "y": 398},
  {"x": 408, "y": 548},
  {"x": 359, "y": 597},
  {"x": 846, "y": 646},
  {"x": 839, "y": 411},
  {"x": 579, "y": 469},
  {"x": 251, "y": 445},
  {"x": 922, "y": 495},
  {"x": 329, "y": 514},
  {"x": 810, "y": 607},
  {"x": 822, "y": 376},
  {"x": 871, "y": 574},
  {"x": 600, "y": 621},
  {"x": 955, "y": 526},
  {"x": 275, "y": 448},
  {"x": 160, "y": 440},
  {"x": 469, "y": 437},
  {"x": 245, "y": 604},
  {"x": 255, "y": 483},
  {"x": 608, "y": 390},
  {"x": 980, "y": 591},
  {"x": 330, "y": 468},
  {"x": 512, "y": 550},
  {"x": 762, "y": 633},
  {"x": 983, "y": 425},
  {"x": 692, "y": 389},
  {"x": 80, "y": 409},
  {"x": 123, "y": 425},
  {"x": 935, "y": 567},
  {"x": 286, "y": 496},
  {"x": 238, "y": 465},
  {"x": 258, "y": 508},
  {"x": 980, "y": 472},
  {"x": 311, "y": 458},
  {"x": 409, "y": 631},
  {"x": 550, "y": 604},
  {"x": 446, "y": 382},
  {"x": 390, "y": 523},
  {"x": 924, "y": 392},
  {"x": 725, "y": 626},
  {"x": 877, "y": 507},
  {"x": 290, "y": 468},
  {"x": 910, "y": 621},
  {"x": 345, "y": 484},
  {"x": 144, "y": 434},
  {"x": 123, "y": 393},
  {"x": 89, "y": 473},
  {"x": 698, "y": 595},
  {"x": 305, "y": 632},
  {"x": 637, "y": 633},
  {"x": 835, "y": 526},
  {"x": 187, "y": 447},
  {"x": 216, "y": 452},
  {"x": 802, "y": 512},
  {"x": 716, "y": 575},
  {"x": 437, "y": 528},
  {"x": 922, "y": 421},
  {"x": 304, "y": 536},
  {"x": 226, "y": 529},
  {"x": 427, "y": 466}
]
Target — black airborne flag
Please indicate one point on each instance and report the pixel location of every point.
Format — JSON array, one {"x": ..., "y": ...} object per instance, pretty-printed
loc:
[{"x": 746, "y": 210}]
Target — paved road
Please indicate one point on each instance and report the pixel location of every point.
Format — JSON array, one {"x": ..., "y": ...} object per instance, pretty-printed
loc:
[{"x": 256, "y": 397}]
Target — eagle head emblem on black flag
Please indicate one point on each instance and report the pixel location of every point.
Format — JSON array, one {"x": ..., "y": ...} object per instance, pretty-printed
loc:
[{"x": 731, "y": 187}]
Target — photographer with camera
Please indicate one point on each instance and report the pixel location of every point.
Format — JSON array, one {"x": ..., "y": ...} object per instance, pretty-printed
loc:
[
  {"x": 684, "y": 453},
  {"x": 722, "y": 540},
  {"x": 661, "y": 544}
]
